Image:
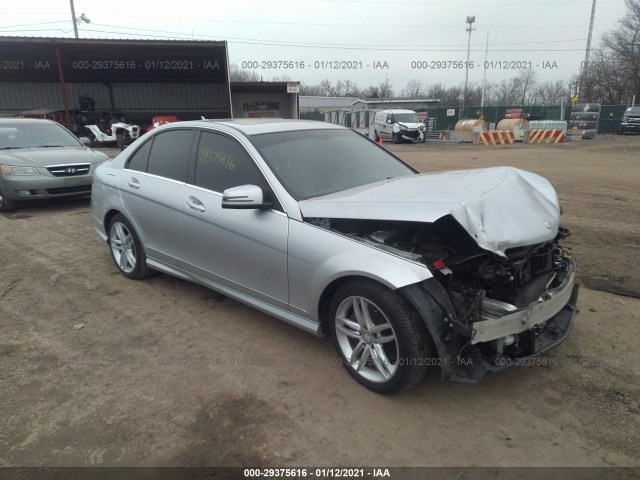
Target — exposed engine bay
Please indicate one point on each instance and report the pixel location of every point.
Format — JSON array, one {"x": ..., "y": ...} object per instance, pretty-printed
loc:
[{"x": 469, "y": 274}]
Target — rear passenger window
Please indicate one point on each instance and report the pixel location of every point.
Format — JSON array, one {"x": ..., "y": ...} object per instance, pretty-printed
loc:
[
  {"x": 170, "y": 154},
  {"x": 222, "y": 164},
  {"x": 139, "y": 159}
]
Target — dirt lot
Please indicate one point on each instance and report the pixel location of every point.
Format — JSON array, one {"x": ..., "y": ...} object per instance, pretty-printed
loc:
[{"x": 164, "y": 372}]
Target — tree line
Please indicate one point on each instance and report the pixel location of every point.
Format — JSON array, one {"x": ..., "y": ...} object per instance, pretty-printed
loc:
[{"x": 612, "y": 76}]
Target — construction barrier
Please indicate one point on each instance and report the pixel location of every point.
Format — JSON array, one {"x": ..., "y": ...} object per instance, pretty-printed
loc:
[
  {"x": 497, "y": 137},
  {"x": 546, "y": 136}
]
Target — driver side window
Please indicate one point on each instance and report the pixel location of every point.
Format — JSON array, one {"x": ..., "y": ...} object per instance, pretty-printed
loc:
[{"x": 222, "y": 163}]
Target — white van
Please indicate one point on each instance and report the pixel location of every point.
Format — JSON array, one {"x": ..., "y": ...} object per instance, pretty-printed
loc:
[{"x": 399, "y": 125}]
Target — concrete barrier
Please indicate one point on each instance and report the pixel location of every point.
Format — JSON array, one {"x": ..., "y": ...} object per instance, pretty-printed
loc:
[
  {"x": 497, "y": 137},
  {"x": 546, "y": 136}
]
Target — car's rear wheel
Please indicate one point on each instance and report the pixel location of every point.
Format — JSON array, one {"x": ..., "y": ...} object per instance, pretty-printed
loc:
[
  {"x": 126, "y": 249},
  {"x": 6, "y": 205},
  {"x": 379, "y": 338}
]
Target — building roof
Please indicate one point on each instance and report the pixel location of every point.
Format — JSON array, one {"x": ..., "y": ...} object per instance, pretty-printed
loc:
[
  {"x": 317, "y": 101},
  {"x": 371, "y": 101}
]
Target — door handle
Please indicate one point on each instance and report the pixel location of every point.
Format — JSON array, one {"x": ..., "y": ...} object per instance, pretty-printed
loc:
[
  {"x": 194, "y": 204},
  {"x": 133, "y": 183}
]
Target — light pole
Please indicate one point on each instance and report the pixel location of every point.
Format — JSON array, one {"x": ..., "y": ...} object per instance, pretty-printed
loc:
[
  {"x": 470, "y": 22},
  {"x": 81, "y": 18}
]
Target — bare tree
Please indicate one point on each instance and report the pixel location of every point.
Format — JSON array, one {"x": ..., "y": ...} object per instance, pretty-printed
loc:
[
  {"x": 331, "y": 90},
  {"x": 526, "y": 82},
  {"x": 613, "y": 73},
  {"x": 236, "y": 74},
  {"x": 607, "y": 80},
  {"x": 414, "y": 89},
  {"x": 549, "y": 93},
  {"x": 385, "y": 89}
]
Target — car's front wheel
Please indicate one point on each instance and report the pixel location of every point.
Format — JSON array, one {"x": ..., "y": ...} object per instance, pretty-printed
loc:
[
  {"x": 380, "y": 339},
  {"x": 6, "y": 205},
  {"x": 126, "y": 249}
]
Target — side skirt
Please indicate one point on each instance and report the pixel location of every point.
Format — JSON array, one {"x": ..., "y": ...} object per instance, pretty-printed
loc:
[{"x": 284, "y": 315}]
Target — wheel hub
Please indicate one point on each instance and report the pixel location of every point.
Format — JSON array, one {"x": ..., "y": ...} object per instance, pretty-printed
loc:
[{"x": 368, "y": 339}]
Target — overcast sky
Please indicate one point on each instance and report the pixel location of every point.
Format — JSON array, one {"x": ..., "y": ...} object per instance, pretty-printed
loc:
[{"x": 367, "y": 33}]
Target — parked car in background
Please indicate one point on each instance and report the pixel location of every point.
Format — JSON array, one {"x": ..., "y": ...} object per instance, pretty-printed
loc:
[
  {"x": 630, "y": 121},
  {"x": 161, "y": 120},
  {"x": 399, "y": 126},
  {"x": 322, "y": 228},
  {"x": 41, "y": 159}
]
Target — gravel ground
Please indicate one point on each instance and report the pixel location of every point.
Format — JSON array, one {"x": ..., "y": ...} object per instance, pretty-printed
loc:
[{"x": 163, "y": 372}]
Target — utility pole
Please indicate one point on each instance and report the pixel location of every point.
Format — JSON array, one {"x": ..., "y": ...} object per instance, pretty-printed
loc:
[
  {"x": 484, "y": 77},
  {"x": 74, "y": 19},
  {"x": 470, "y": 21},
  {"x": 585, "y": 65}
]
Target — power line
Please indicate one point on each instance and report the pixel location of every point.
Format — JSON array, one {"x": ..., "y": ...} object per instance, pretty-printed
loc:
[
  {"x": 336, "y": 45},
  {"x": 33, "y": 24},
  {"x": 475, "y": 4},
  {"x": 363, "y": 25},
  {"x": 181, "y": 36}
]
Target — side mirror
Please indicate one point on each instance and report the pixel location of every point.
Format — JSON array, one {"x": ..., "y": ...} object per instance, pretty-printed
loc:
[
  {"x": 244, "y": 197},
  {"x": 85, "y": 141},
  {"x": 388, "y": 120}
]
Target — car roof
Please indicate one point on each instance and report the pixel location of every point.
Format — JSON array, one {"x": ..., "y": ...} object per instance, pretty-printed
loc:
[
  {"x": 399, "y": 110},
  {"x": 24, "y": 121},
  {"x": 257, "y": 126}
]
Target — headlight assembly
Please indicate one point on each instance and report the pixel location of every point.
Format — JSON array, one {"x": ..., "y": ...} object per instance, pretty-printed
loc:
[{"x": 12, "y": 170}]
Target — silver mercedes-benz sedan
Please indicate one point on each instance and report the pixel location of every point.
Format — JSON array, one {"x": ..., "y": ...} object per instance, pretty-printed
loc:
[
  {"x": 323, "y": 228},
  {"x": 40, "y": 159}
]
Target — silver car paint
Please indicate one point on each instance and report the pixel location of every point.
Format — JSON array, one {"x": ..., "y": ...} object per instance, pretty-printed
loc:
[
  {"x": 242, "y": 249},
  {"x": 315, "y": 256},
  {"x": 288, "y": 269},
  {"x": 489, "y": 203}
]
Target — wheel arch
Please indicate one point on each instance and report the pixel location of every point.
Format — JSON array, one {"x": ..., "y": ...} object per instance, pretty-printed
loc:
[
  {"x": 324, "y": 302},
  {"x": 109, "y": 215}
]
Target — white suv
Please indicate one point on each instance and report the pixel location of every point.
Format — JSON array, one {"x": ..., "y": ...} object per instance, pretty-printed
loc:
[{"x": 399, "y": 125}]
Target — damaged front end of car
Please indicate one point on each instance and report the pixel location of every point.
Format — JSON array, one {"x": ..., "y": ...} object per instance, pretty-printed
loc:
[{"x": 485, "y": 310}]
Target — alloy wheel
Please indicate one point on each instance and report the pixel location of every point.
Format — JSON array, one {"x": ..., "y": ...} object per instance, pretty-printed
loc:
[
  {"x": 123, "y": 247},
  {"x": 367, "y": 339}
]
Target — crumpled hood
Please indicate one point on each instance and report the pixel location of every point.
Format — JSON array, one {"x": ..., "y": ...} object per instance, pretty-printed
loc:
[
  {"x": 411, "y": 126},
  {"x": 500, "y": 207},
  {"x": 41, "y": 157}
]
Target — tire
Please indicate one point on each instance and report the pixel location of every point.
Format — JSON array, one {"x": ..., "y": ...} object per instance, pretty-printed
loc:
[
  {"x": 126, "y": 249},
  {"x": 6, "y": 205},
  {"x": 396, "y": 356},
  {"x": 397, "y": 137}
]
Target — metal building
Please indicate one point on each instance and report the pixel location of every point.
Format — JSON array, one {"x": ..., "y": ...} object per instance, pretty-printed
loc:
[
  {"x": 265, "y": 99},
  {"x": 140, "y": 78},
  {"x": 59, "y": 78}
]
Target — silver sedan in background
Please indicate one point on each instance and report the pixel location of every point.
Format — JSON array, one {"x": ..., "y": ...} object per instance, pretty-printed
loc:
[
  {"x": 40, "y": 159},
  {"x": 323, "y": 228}
]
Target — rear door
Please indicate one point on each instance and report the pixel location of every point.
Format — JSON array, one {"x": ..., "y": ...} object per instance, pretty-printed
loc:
[
  {"x": 242, "y": 249},
  {"x": 152, "y": 187}
]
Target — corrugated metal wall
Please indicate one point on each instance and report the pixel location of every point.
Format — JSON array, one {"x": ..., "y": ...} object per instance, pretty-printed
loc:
[
  {"x": 127, "y": 97},
  {"x": 29, "y": 96}
]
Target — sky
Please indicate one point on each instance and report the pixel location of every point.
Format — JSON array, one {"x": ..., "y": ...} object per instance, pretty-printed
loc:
[{"x": 365, "y": 41}]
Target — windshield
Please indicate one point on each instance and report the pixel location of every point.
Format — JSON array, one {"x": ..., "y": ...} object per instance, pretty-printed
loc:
[
  {"x": 311, "y": 163},
  {"x": 27, "y": 134},
  {"x": 633, "y": 110},
  {"x": 406, "y": 118}
]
